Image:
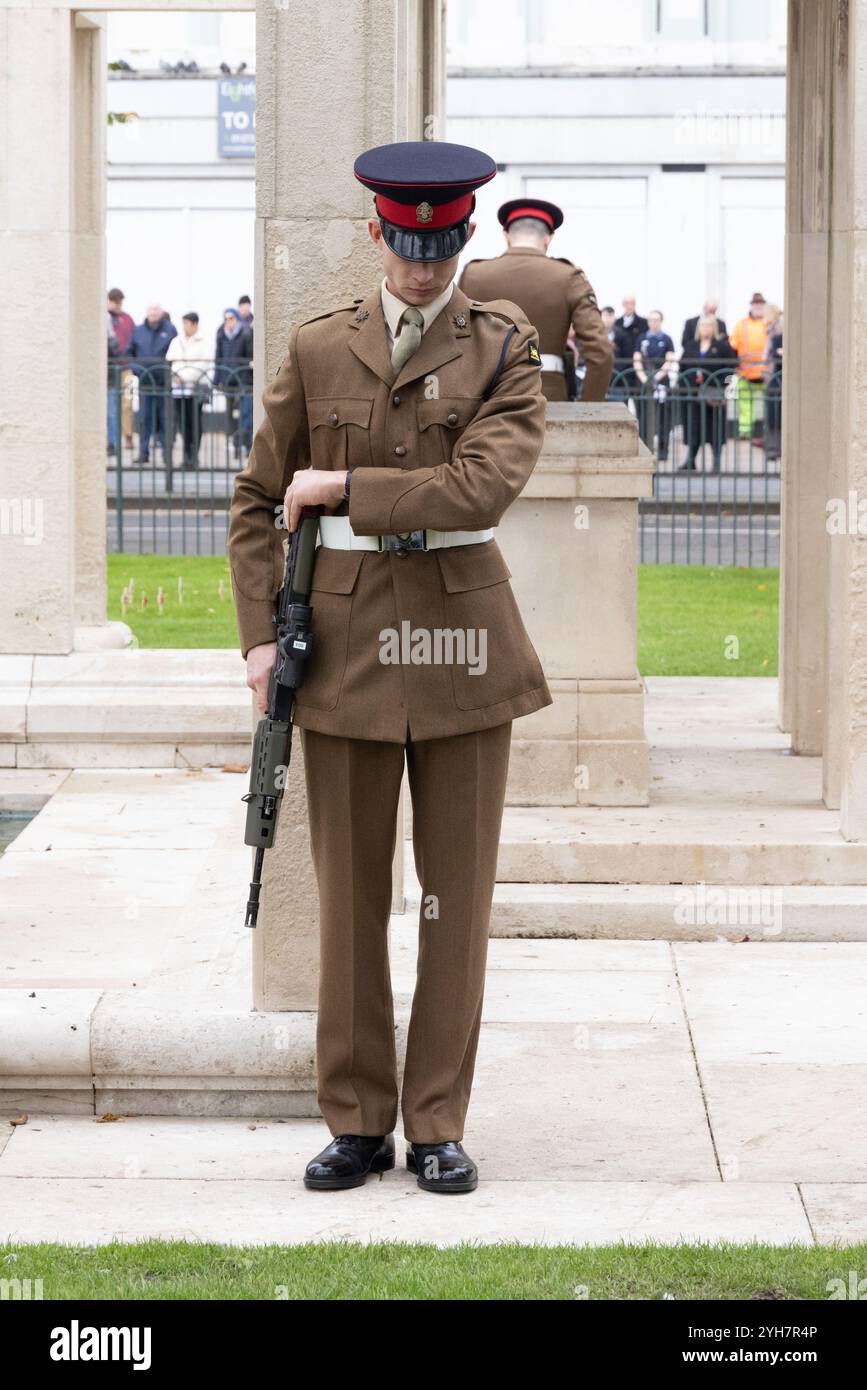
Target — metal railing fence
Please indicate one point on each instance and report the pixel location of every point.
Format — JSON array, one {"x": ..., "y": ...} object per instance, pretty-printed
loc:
[{"x": 175, "y": 447}]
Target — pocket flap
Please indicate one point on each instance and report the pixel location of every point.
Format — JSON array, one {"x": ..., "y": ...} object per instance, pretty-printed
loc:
[
  {"x": 336, "y": 571},
  {"x": 472, "y": 566},
  {"x": 336, "y": 411},
  {"x": 455, "y": 413}
]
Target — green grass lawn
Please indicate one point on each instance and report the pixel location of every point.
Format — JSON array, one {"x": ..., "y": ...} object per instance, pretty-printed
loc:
[
  {"x": 692, "y": 620},
  {"x": 345, "y": 1270},
  {"x": 202, "y": 616}
]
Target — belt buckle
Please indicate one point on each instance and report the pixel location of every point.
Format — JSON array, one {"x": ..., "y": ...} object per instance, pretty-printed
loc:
[{"x": 403, "y": 540}]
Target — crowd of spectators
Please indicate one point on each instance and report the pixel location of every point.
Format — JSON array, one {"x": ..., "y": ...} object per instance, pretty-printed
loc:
[
  {"x": 692, "y": 383},
  {"x": 177, "y": 374}
]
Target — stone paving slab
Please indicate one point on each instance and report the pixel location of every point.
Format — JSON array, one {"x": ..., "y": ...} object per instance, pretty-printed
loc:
[
  {"x": 25, "y": 790},
  {"x": 777, "y": 1001},
  {"x": 52, "y": 1146},
  {"x": 117, "y": 809},
  {"x": 780, "y": 1037},
  {"x": 788, "y": 1121},
  {"x": 611, "y": 1104},
  {"x": 81, "y": 1211},
  {"x": 838, "y": 1213},
  {"x": 98, "y": 918}
]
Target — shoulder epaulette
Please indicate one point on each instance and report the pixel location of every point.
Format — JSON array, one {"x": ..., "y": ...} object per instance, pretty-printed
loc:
[
  {"x": 500, "y": 308},
  {"x": 327, "y": 313}
]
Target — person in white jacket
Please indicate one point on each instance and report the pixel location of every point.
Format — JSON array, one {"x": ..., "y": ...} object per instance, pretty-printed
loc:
[{"x": 191, "y": 384}]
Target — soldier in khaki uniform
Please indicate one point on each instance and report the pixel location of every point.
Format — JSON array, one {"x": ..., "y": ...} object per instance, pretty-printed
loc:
[
  {"x": 552, "y": 292},
  {"x": 414, "y": 416}
]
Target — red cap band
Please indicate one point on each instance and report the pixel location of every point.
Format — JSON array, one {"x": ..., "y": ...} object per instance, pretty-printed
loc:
[
  {"x": 424, "y": 216},
  {"x": 531, "y": 212}
]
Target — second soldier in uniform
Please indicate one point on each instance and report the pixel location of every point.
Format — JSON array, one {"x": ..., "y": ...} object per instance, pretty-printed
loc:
[
  {"x": 554, "y": 294},
  {"x": 414, "y": 415}
]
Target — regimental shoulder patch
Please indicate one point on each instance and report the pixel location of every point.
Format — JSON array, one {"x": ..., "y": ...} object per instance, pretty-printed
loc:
[{"x": 533, "y": 354}]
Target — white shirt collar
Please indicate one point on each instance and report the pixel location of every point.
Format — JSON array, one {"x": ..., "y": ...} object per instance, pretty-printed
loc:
[{"x": 392, "y": 308}]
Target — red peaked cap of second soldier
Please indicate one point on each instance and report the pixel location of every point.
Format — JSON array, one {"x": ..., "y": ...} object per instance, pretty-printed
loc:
[
  {"x": 549, "y": 213},
  {"x": 424, "y": 194}
]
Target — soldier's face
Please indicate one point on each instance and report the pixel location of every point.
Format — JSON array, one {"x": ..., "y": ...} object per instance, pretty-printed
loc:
[{"x": 415, "y": 282}]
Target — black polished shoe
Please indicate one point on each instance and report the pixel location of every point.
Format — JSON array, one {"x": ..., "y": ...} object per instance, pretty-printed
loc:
[
  {"x": 442, "y": 1167},
  {"x": 348, "y": 1159}
]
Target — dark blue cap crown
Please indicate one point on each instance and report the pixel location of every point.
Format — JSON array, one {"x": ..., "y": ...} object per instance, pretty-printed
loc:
[{"x": 424, "y": 194}]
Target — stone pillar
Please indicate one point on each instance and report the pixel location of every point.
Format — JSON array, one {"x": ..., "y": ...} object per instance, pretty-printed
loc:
[
  {"x": 37, "y": 525},
  {"x": 824, "y": 608},
  {"x": 806, "y": 379},
  {"x": 847, "y": 697},
  {"x": 88, "y": 336},
  {"x": 332, "y": 79},
  {"x": 571, "y": 543},
  {"x": 52, "y": 391},
  {"x": 841, "y": 291}
]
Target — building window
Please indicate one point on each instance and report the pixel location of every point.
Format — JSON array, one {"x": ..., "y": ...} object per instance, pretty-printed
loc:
[{"x": 682, "y": 19}]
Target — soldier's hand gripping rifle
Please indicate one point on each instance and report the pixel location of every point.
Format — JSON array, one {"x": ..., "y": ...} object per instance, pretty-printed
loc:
[{"x": 272, "y": 744}]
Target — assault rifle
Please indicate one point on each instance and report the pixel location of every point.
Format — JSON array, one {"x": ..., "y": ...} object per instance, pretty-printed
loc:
[{"x": 272, "y": 745}]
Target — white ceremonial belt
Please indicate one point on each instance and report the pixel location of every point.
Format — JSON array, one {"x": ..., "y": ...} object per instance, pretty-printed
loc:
[
  {"x": 552, "y": 363},
  {"x": 335, "y": 533}
]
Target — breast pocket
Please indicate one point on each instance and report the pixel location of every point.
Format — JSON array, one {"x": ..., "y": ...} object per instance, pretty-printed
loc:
[
  {"x": 441, "y": 424},
  {"x": 339, "y": 431},
  {"x": 484, "y": 627},
  {"x": 334, "y": 579}
]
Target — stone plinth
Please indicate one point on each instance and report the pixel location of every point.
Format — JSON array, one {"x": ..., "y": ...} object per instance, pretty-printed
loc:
[{"x": 571, "y": 543}]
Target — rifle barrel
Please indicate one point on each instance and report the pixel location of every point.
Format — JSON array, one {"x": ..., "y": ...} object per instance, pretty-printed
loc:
[{"x": 255, "y": 886}]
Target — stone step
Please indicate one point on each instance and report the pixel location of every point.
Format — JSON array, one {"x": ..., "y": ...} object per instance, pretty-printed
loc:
[
  {"x": 738, "y": 845},
  {"x": 130, "y": 708},
  {"x": 673, "y": 912}
]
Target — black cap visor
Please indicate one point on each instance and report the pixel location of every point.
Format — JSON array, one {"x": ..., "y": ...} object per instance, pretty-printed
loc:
[{"x": 439, "y": 245}]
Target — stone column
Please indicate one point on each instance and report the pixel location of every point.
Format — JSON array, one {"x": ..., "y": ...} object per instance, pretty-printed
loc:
[
  {"x": 88, "y": 336},
  {"x": 824, "y": 608},
  {"x": 806, "y": 380},
  {"x": 571, "y": 543},
  {"x": 52, "y": 389},
  {"x": 840, "y": 288},
  {"x": 37, "y": 525},
  {"x": 332, "y": 79},
  {"x": 847, "y": 697}
]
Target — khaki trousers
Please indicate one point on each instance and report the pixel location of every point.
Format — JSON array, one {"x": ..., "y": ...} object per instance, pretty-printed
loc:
[
  {"x": 457, "y": 786},
  {"x": 554, "y": 386}
]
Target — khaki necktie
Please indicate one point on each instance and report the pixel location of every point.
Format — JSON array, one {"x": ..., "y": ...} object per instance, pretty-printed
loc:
[{"x": 408, "y": 339}]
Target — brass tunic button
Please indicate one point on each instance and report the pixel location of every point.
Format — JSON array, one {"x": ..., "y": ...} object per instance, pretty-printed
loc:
[
  {"x": 332, "y": 419},
  {"x": 451, "y": 418},
  {"x": 400, "y": 450},
  {"x": 395, "y": 400}
]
